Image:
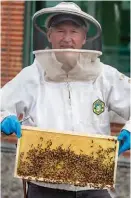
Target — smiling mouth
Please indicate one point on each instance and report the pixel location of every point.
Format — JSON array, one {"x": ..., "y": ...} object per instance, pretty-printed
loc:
[{"x": 66, "y": 47}]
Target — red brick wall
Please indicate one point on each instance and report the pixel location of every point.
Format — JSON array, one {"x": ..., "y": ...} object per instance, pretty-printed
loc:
[{"x": 12, "y": 32}]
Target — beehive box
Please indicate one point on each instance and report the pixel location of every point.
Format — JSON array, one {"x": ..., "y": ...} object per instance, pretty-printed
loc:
[{"x": 67, "y": 158}]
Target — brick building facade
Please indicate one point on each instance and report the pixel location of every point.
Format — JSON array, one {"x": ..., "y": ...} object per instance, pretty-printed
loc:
[{"x": 12, "y": 37}]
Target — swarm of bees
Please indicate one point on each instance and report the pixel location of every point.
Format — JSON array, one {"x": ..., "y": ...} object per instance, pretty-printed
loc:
[{"x": 62, "y": 165}]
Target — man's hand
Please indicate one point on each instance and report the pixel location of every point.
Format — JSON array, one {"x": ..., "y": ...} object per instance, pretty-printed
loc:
[
  {"x": 11, "y": 125},
  {"x": 124, "y": 139}
]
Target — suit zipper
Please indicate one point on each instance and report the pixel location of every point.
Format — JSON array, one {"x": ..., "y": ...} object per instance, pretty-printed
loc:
[{"x": 70, "y": 103}]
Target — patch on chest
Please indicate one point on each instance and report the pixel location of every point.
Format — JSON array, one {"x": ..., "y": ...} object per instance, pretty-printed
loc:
[{"x": 98, "y": 107}]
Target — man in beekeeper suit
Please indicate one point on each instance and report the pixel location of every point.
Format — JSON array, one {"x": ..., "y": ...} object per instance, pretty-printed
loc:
[{"x": 67, "y": 88}]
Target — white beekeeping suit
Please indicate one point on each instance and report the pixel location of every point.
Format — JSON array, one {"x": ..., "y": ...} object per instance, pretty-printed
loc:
[{"x": 75, "y": 100}]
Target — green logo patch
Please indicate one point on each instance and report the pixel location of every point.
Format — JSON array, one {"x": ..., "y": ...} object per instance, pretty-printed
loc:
[{"x": 98, "y": 107}]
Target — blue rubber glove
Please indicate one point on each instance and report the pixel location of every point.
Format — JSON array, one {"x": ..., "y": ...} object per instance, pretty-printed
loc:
[
  {"x": 11, "y": 125},
  {"x": 124, "y": 139}
]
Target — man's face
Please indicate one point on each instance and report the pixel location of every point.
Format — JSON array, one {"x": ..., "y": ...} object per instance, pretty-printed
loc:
[{"x": 67, "y": 35}]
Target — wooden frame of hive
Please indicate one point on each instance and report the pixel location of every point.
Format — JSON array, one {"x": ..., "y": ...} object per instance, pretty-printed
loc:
[{"x": 78, "y": 144}]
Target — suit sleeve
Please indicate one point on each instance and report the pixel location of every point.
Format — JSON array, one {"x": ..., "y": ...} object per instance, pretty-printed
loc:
[
  {"x": 119, "y": 97},
  {"x": 15, "y": 98}
]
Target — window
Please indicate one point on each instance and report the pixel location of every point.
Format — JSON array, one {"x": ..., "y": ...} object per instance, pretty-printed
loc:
[{"x": 114, "y": 17}]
